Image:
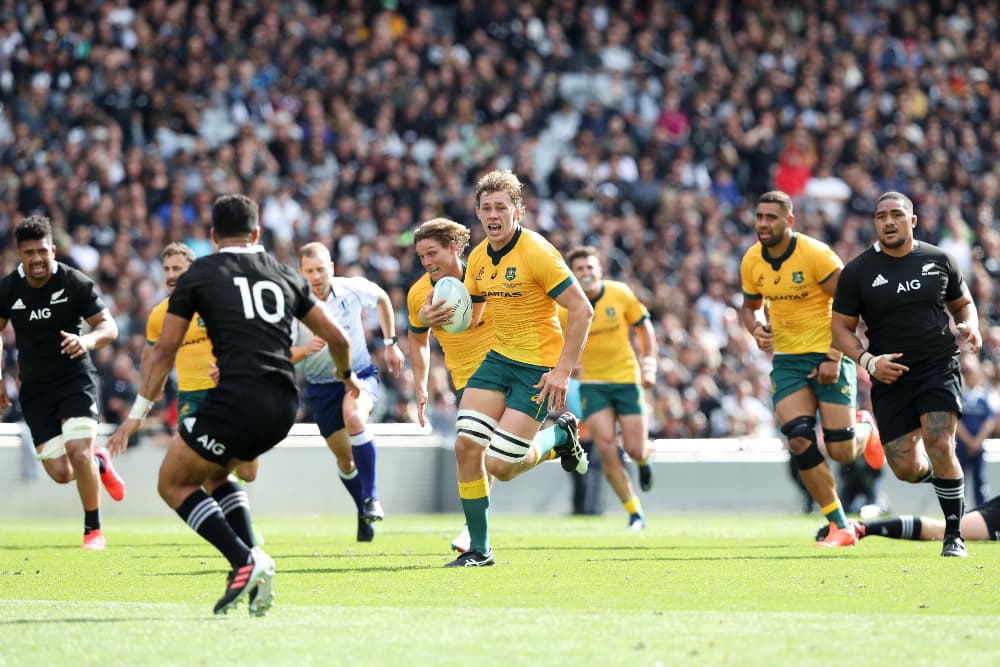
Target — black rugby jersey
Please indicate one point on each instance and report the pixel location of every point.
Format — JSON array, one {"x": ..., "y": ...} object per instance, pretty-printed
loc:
[
  {"x": 39, "y": 313},
  {"x": 902, "y": 300},
  {"x": 247, "y": 300}
]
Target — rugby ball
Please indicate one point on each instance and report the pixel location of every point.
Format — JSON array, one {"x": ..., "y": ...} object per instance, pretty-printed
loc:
[{"x": 456, "y": 299}]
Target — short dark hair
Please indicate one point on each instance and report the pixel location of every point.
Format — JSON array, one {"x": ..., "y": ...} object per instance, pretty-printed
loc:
[
  {"x": 892, "y": 194},
  {"x": 778, "y": 197},
  {"x": 234, "y": 215},
  {"x": 33, "y": 228}
]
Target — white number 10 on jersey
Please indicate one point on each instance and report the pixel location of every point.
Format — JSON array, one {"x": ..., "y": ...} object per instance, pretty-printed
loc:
[{"x": 253, "y": 301}]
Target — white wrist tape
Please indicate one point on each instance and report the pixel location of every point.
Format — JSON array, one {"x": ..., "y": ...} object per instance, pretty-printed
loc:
[
  {"x": 140, "y": 408},
  {"x": 869, "y": 361},
  {"x": 648, "y": 365}
]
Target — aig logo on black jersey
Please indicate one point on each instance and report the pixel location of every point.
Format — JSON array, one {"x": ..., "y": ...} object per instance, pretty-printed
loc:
[{"x": 40, "y": 314}]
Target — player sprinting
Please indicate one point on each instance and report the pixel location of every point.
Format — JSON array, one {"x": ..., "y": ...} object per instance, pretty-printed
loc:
[
  {"x": 46, "y": 302},
  {"x": 798, "y": 275},
  {"x": 195, "y": 376},
  {"x": 247, "y": 300},
  {"x": 525, "y": 374},
  {"x": 440, "y": 244},
  {"x": 908, "y": 292},
  {"x": 612, "y": 379}
]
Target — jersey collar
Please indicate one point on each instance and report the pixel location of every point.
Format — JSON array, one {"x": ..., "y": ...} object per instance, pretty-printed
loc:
[
  {"x": 497, "y": 255},
  {"x": 878, "y": 246},
  {"x": 242, "y": 249},
  {"x": 776, "y": 262},
  {"x": 20, "y": 269},
  {"x": 593, "y": 302}
]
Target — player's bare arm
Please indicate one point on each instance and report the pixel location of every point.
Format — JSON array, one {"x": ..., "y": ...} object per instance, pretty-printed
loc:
[
  {"x": 555, "y": 384},
  {"x": 827, "y": 371},
  {"x": 963, "y": 309},
  {"x": 648, "y": 350},
  {"x": 761, "y": 331},
  {"x": 5, "y": 401},
  {"x": 104, "y": 331},
  {"x": 883, "y": 367},
  {"x": 156, "y": 365},
  {"x": 420, "y": 361}
]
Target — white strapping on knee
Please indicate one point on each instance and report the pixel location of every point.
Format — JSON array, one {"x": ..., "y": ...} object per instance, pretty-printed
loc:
[
  {"x": 508, "y": 447},
  {"x": 476, "y": 427},
  {"x": 79, "y": 428},
  {"x": 52, "y": 449}
]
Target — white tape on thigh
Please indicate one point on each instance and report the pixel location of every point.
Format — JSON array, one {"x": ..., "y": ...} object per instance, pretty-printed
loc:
[
  {"x": 475, "y": 427},
  {"x": 79, "y": 428},
  {"x": 52, "y": 449},
  {"x": 508, "y": 447}
]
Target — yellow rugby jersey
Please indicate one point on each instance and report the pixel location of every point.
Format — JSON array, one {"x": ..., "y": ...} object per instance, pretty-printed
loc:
[
  {"x": 195, "y": 353},
  {"x": 519, "y": 283},
  {"x": 800, "y": 310},
  {"x": 608, "y": 355},
  {"x": 463, "y": 352}
]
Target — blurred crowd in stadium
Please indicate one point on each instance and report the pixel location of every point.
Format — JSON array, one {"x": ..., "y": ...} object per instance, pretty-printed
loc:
[{"x": 642, "y": 127}]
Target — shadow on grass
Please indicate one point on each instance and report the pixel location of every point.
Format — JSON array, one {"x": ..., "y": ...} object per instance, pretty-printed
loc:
[
  {"x": 90, "y": 620},
  {"x": 111, "y": 547},
  {"x": 314, "y": 570}
]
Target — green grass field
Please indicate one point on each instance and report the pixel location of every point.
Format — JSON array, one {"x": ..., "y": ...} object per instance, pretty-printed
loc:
[{"x": 691, "y": 590}]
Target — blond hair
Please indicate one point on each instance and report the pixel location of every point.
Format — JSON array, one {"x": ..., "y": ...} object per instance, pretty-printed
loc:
[
  {"x": 444, "y": 231},
  {"x": 501, "y": 180},
  {"x": 177, "y": 248}
]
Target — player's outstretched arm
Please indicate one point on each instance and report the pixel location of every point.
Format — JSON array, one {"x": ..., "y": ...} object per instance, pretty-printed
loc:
[{"x": 156, "y": 365}]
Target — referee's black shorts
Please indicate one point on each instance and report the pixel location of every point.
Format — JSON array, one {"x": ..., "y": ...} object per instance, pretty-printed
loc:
[
  {"x": 931, "y": 386},
  {"x": 240, "y": 419}
]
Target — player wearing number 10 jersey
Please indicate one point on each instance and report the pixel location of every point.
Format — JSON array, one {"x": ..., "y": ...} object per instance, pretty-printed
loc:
[{"x": 247, "y": 300}]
